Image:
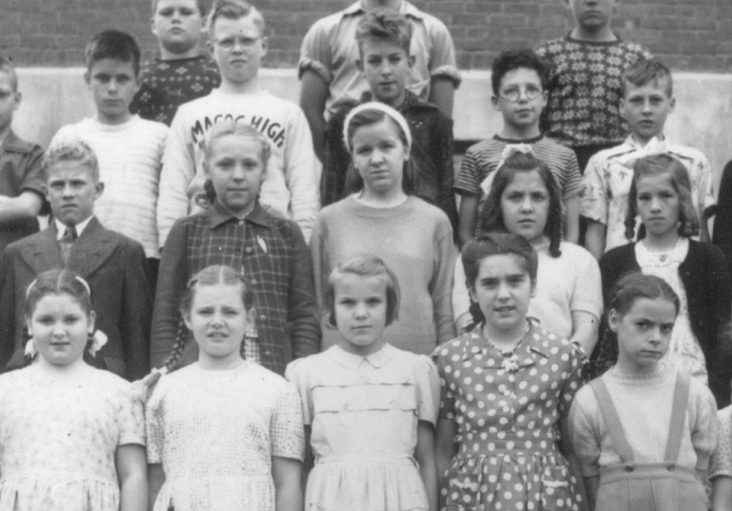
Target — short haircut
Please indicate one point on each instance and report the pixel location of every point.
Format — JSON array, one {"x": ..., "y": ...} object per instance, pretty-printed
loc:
[
  {"x": 365, "y": 265},
  {"x": 659, "y": 164},
  {"x": 387, "y": 26},
  {"x": 231, "y": 127},
  {"x": 234, "y": 10},
  {"x": 645, "y": 71},
  {"x": 74, "y": 151},
  {"x": 113, "y": 44},
  {"x": 511, "y": 60},
  {"x": 200, "y": 4},
  {"x": 491, "y": 218},
  {"x": 6, "y": 66}
]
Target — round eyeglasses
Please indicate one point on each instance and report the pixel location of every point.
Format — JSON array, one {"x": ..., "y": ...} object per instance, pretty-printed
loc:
[{"x": 514, "y": 93}]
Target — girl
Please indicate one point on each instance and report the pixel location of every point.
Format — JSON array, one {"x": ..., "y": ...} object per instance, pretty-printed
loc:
[
  {"x": 238, "y": 232},
  {"x": 413, "y": 238},
  {"x": 720, "y": 470},
  {"x": 506, "y": 389},
  {"x": 523, "y": 200},
  {"x": 644, "y": 432},
  {"x": 370, "y": 408},
  {"x": 697, "y": 272},
  {"x": 223, "y": 433},
  {"x": 71, "y": 436}
]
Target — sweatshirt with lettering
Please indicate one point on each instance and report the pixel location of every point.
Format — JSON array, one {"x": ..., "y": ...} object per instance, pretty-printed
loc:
[{"x": 291, "y": 186}]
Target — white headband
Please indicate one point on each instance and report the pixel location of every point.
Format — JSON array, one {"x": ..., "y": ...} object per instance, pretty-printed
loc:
[{"x": 389, "y": 111}]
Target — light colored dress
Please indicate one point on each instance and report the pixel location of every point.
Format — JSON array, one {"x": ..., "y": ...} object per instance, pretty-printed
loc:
[
  {"x": 215, "y": 432},
  {"x": 507, "y": 412},
  {"x": 363, "y": 413},
  {"x": 684, "y": 351},
  {"x": 58, "y": 437},
  {"x": 721, "y": 464}
]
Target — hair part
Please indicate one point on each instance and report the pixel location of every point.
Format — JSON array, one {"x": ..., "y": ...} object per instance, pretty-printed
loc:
[
  {"x": 75, "y": 150},
  {"x": 226, "y": 127},
  {"x": 58, "y": 282},
  {"x": 384, "y": 25},
  {"x": 234, "y": 10},
  {"x": 637, "y": 285},
  {"x": 656, "y": 165},
  {"x": 519, "y": 58},
  {"x": 646, "y": 71},
  {"x": 113, "y": 44},
  {"x": 491, "y": 218},
  {"x": 6, "y": 66},
  {"x": 209, "y": 276},
  {"x": 200, "y": 5},
  {"x": 365, "y": 265}
]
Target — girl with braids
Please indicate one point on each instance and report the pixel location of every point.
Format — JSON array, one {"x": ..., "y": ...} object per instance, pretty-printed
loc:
[
  {"x": 223, "y": 433},
  {"x": 524, "y": 200},
  {"x": 660, "y": 194},
  {"x": 71, "y": 436},
  {"x": 235, "y": 230}
]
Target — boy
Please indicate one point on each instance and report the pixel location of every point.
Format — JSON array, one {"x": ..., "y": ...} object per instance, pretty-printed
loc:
[
  {"x": 112, "y": 264},
  {"x": 584, "y": 83},
  {"x": 181, "y": 72},
  {"x": 21, "y": 179},
  {"x": 129, "y": 148},
  {"x": 383, "y": 40},
  {"x": 647, "y": 100},
  {"x": 238, "y": 43},
  {"x": 331, "y": 79},
  {"x": 519, "y": 92}
]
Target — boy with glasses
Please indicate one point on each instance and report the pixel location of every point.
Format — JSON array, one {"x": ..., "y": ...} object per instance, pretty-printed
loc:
[
  {"x": 291, "y": 188},
  {"x": 519, "y": 93}
]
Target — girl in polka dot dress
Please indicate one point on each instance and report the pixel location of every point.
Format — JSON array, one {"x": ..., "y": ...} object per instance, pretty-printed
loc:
[
  {"x": 506, "y": 390},
  {"x": 71, "y": 436}
]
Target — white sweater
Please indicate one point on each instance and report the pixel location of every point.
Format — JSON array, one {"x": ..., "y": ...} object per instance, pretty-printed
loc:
[
  {"x": 129, "y": 157},
  {"x": 291, "y": 186}
]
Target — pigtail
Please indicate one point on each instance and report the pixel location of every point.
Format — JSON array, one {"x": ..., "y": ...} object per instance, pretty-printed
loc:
[
  {"x": 632, "y": 212},
  {"x": 179, "y": 345}
]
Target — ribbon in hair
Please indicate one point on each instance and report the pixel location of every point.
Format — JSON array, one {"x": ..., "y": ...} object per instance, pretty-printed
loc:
[
  {"x": 98, "y": 340},
  {"x": 381, "y": 107},
  {"x": 35, "y": 281},
  {"x": 508, "y": 151}
]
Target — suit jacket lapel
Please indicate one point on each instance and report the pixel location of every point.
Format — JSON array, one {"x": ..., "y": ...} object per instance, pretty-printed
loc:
[
  {"x": 93, "y": 247},
  {"x": 42, "y": 253}
]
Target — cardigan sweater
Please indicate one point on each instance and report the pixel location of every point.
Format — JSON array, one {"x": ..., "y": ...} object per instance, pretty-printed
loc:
[{"x": 706, "y": 280}]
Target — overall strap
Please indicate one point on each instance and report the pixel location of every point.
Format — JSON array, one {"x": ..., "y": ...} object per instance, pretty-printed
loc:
[
  {"x": 678, "y": 417},
  {"x": 612, "y": 421}
]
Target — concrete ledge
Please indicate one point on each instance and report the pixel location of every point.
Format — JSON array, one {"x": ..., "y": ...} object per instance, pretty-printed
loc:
[{"x": 53, "y": 97}]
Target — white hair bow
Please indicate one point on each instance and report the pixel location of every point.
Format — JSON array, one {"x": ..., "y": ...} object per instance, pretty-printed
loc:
[{"x": 508, "y": 151}]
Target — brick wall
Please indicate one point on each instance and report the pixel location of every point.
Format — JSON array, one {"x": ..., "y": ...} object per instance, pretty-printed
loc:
[{"x": 691, "y": 35}]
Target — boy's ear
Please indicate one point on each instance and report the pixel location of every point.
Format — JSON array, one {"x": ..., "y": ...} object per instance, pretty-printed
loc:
[
  {"x": 98, "y": 189},
  {"x": 671, "y": 104},
  {"x": 494, "y": 102},
  {"x": 18, "y": 98},
  {"x": 265, "y": 45}
]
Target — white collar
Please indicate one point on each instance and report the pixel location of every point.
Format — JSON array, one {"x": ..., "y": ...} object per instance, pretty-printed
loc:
[{"x": 61, "y": 227}]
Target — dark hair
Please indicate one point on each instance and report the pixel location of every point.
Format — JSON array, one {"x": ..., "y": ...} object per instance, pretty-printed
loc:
[
  {"x": 72, "y": 150},
  {"x": 200, "y": 5},
  {"x": 231, "y": 127},
  {"x": 491, "y": 218},
  {"x": 57, "y": 282},
  {"x": 517, "y": 58},
  {"x": 365, "y": 265},
  {"x": 234, "y": 10},
  {"x": 6, "y": 65},
  {"x": 655, "y": 165},
  {"x": 645, "y": 71},
  {"x": 113, "y": 44},
  {"x": 209, "y": 276},
  {"x": 384, "y": 25},
  {"x": 370, "y": 117},
  {"x": 639, "y": 285}
]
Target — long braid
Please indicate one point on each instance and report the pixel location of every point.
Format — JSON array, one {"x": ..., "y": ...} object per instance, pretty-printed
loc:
[{"x": 179, "y": 345}]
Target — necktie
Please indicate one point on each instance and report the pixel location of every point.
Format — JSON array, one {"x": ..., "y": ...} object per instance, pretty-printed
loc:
[{"x": 66, "y": 242}]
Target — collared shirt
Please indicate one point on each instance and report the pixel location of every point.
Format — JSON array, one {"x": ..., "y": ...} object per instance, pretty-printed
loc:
[
  {"x": 609, "y": 175},
  {"x": 330, "y": 50},
  {"x": 271, "y": 254},
  {"x": 61, "y": 227},
  {"x": 20, "y": 170}
]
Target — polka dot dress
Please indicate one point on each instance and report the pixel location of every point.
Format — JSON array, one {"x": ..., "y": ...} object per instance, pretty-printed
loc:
[{"x": 507, "y": 420}]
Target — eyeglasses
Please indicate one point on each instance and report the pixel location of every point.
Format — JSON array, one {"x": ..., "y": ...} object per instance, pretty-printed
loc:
[
  {"x": 229, "y": 43},
  {"x": 514, "y": 94}
]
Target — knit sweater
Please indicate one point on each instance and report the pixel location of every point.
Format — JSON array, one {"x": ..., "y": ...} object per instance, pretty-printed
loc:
[{"x": 415, "y": 240}]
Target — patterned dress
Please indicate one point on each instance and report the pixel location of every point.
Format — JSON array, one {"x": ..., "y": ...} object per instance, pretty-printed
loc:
[
  {"x": 508, "y": 422},
  {"x": 215, "y": 432},
  {"x": 59, "y": 435}
]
